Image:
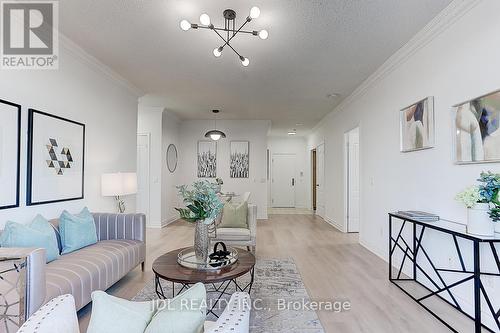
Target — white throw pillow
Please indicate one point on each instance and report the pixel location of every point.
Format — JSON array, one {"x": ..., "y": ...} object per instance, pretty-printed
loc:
[
  {"x": 185, "y": 313},
  {"x": 115, "y": 315}
]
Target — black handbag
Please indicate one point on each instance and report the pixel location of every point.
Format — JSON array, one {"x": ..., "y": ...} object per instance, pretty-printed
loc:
[{"x": 219, "y": 256}]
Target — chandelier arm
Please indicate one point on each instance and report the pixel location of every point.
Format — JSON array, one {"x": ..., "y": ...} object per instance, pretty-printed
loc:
[
  {"x": 232, "y": 48},
  {"x": 223, "y": 29}
]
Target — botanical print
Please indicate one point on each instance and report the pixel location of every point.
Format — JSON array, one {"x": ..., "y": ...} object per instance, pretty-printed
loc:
[
  {"x": 207, "y": 159},
  {"x": 477, "y": 130},
  {"x": 417, "y": 126},
  {"x": 240, "y": 161}
]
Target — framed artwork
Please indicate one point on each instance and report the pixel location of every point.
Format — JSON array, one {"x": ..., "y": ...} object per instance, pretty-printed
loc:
[
  {"x": 240, "y": 159},
  {"x": 207, "y": 159},
  {"x": 56, "y": 159},
  {"x": 10, "y": 154},
  {"x": 417, "y": 126},
  {"x": 477, "y": 133}
]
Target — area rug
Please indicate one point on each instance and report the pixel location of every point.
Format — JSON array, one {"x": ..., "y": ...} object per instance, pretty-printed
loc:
[{"x": 277, "y": 282}]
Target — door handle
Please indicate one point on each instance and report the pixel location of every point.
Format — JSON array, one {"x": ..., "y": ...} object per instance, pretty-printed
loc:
[
  {"x": 293, "y": 181},
  {"x": 317, "y": 185}
]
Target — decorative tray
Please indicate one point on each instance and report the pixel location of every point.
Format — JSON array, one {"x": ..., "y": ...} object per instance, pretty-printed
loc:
[{"x": 187, "y": 258}]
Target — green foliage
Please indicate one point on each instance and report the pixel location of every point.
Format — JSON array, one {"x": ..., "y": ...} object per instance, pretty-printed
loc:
[
  {"x": 469, "y": 197},
  {"x": 487, "y": 192},
  {"x": 202, "y": 202}
]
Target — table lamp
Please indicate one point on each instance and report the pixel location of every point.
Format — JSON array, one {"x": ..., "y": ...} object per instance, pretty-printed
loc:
[{"x": 118, "y": 185}]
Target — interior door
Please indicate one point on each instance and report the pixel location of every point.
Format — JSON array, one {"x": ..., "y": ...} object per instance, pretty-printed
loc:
[
  {"x": 143, "y": 158},
  {"x": 353, "y": 181},
  {"x": 283, "y": 181},
  {"x": 320, "y": 180}
]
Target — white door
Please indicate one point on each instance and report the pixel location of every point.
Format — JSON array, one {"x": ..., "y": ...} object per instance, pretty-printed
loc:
[
  {"x": 283, "y": 181},
  {"x": 353, "y": 181},
  {"x": 143, "y": 155},
  {"x": 320, "y": 180}
]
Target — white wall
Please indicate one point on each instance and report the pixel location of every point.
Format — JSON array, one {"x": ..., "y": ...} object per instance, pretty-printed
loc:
[
  {"x": 254, "y": 131},
  {"x": 454, "y": 59},
  {"x": 297, "y": 146},
  {"x": 150, "y": 122},
  {"x": 85, "y": 91},
  {"x": 170, "y": 199}
]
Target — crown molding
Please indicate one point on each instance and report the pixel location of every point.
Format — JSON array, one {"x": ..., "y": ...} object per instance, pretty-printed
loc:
[
  {"x": 445, "y": 19},
  {"x": 92, "y": 62}
]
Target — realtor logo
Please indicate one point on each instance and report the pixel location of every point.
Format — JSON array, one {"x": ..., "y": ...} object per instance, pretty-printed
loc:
[{"x": 29, "y": 35}]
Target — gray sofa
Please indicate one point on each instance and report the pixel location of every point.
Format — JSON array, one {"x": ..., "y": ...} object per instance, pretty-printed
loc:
[{"x": 120, "y": 248}]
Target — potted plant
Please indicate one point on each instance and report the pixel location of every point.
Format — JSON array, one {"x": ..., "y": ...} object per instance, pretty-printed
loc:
[
  {"x": 483, "y": 207},
  {"x": 202, "y": 208},
  {"x": 490, "y": 191}
]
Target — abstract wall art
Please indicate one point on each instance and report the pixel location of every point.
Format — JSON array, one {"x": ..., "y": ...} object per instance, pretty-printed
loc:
[
  {"x": 417, "y": 126},
  {"x": 207, "y": 159},
  {"x": 477, "y": 130},
  {"x": 239, "y": 159},
  {"x": 10, "y": 152},
  {"x": 56, "y": 159}
]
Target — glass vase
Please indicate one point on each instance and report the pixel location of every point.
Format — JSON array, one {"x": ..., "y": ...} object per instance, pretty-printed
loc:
[{"x": 201, "y": 241}]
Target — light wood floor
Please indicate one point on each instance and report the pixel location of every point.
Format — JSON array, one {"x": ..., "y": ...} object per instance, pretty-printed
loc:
[{"x": 332, "y": 264}]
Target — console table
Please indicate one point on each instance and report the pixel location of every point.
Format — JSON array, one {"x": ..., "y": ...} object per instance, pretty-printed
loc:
[{"x": 405, "y": 239}]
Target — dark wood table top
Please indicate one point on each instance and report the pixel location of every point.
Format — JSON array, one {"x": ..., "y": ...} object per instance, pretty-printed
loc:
[{"x": 167, "y": 268}]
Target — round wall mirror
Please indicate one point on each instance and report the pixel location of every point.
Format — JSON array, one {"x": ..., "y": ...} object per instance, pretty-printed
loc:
[{"x": 171, "y": 157}]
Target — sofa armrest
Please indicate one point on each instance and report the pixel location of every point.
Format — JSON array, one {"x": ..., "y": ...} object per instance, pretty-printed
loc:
[
  {"x": 34, "y": 291},
  {"x": 236, "y": 316},
  {"x": 120, "y": 226},
  {"x": 252, "y": 220}
]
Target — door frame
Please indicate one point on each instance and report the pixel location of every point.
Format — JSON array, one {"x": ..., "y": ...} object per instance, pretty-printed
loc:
[
  {"x": 148, "y": 135},
  {"x": 346, "y": 178},
  {"x": 314, "y": 172},
  {"x": 314, "y": 179},
  {"x": 272, "y": 179}
]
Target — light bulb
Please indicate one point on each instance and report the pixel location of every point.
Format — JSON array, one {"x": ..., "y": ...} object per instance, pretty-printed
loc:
[
  {"x": 217, "y": 52},
  {"x": 292, "y": 133},
  {"x": 254, "y": 12},
  {"x": 185, "y": 25},
  {"x": 205, "y": 19},
  {"x": 263, "y": 34},
  {"x": 245, "y": 62},
  {"x": 215, "y": 136}
]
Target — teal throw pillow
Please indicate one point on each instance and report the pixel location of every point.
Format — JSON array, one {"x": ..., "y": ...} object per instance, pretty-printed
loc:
[
  {"x": 38, "y": 234},
  {"x": 77, "y": 231}
]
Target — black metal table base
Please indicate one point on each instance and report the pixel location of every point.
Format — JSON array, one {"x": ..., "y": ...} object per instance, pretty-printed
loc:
[
  {"x": 220, "y": 288},
  {"x": 439, "y": 285}
]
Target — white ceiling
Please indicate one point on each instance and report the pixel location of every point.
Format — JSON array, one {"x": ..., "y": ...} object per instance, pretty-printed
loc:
[{"x": 315, "y": 48}]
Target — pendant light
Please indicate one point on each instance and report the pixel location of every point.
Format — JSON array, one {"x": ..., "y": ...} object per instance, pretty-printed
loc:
[{"x": 215, "y": 134}]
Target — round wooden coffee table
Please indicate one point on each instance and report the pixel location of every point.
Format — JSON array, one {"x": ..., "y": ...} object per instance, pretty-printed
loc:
[{"x": 166, "y": 267}]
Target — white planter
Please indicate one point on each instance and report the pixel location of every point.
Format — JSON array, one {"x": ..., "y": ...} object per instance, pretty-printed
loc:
[
  {"x": 497, "y": 227},
  {"x": 479, "y": 222}
]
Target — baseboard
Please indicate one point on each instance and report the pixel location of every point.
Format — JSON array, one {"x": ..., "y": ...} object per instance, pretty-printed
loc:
[
  {"x": 376, "y": 252},
  {"x": 334, "y": 224},
  {"x": 172, "y": 219}
]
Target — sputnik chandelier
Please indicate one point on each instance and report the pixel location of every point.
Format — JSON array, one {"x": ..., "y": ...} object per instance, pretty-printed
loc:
[{"x": 229, "y": 31}]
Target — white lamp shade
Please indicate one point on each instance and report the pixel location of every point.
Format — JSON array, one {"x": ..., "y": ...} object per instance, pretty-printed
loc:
[{"x": 118, "y": 184}]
